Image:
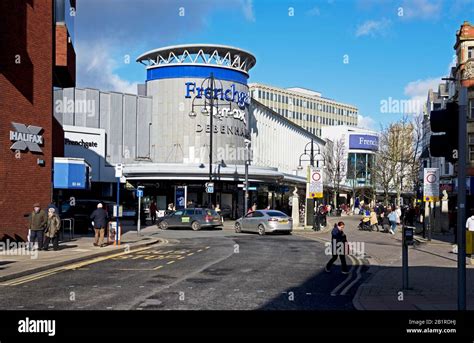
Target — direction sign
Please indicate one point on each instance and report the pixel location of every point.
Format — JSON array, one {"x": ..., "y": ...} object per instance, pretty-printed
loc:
[
  {"x": 119, "y": 170},
  {"x": 431, "y": 184},
  {"x": 209, "y": 187},
  {"x": 140, "y": 193},
  {"x": 315, "y": 182}
]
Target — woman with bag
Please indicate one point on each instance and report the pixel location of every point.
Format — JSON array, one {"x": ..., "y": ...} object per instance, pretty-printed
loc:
[{"x": 52, "y": 230}]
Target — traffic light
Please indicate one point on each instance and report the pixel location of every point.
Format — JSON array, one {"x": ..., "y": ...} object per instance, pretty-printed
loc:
[{"x": 445, "y": 122}]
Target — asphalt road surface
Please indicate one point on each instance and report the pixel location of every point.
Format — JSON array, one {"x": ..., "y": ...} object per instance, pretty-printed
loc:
[{"x": 205, "y": 270}]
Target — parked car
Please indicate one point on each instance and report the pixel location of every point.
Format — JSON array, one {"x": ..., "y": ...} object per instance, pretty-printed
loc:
[
  {"x": 81, "y": 212},
  {"x": 226, "y": 211},
  {"x": 264, "y": 221},
  {"x": 195, "y": 218}
]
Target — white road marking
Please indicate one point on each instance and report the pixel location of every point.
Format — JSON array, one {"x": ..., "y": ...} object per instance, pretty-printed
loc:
[
  {"x": 348, "y": 278},
  {"x": 359, "y": 268}
]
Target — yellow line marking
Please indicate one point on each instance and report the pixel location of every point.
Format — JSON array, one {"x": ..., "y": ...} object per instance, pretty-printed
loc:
[
  {"x": 73, "y": 266},
  {"x": 170, "y": 262},
  {"x": 206, "y": 247},
  {"x": 191, "y": 253},
  {"x": 159, "y": 267},
  {"x": 180, "y": 258},
  {"x": 199, "y": 250}
]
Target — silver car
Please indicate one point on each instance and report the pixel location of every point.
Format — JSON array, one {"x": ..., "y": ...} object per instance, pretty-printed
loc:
[{"x": 264, "y": 221}]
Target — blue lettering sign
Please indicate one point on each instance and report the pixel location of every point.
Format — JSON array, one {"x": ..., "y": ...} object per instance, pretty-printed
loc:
[
  {"x": 231, "y": 94},
  {"x": 364, "y": 142}
]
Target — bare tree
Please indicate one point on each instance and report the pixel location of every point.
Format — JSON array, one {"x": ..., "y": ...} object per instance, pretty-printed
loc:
[{"x": 335, "y": 161}]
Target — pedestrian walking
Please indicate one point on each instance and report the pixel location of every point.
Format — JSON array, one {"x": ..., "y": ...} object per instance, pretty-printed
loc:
[
  {"x": 392, "y": 218},
  {"x": 339, "y": 246},
  {"x": 52, "y": 230},
  {"x": 99, "y": 219},
  {"x": 374, "y": 222},
  {"x": 36, "y": 224},
  {"x": 153, "y": 210}
]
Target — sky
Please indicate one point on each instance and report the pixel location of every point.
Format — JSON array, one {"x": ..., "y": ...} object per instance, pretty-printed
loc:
[{"x": 373, "y": 54}]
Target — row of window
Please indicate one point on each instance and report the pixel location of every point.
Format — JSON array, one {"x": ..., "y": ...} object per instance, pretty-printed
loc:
[
  {"x": 284, "y": 99},
  {"x": 310, "y": 117}
]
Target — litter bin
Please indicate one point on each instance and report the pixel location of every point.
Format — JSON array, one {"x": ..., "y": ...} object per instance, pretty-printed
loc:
[
  {"x": 469, "y": 242},
  {"x": 338, "y": 213}
]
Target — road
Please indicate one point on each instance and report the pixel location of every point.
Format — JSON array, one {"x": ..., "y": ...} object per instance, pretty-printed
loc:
[{"x": 205, "y": 270}]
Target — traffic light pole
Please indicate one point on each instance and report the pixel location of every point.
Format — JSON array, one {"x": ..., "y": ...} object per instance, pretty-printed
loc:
[{"x": 462, "y": 152}]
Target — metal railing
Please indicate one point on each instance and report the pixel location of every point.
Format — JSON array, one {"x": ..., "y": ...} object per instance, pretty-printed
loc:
[{"x": 67, "y": 223}]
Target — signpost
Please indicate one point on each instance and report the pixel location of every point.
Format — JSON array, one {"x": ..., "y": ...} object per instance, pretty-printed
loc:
[
  {"x": 118, "y": 175},
  {"x": 430, "y": 193},
  {"x": 139, "y": 196},
  {"x": 209, "y": 187},
  {"x": 315, "y": 183}
]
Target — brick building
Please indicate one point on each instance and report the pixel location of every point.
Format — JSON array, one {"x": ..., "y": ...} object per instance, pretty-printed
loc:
[{"x": 36, "y": 54}]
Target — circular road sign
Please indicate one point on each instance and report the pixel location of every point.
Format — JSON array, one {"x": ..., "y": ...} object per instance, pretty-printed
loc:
[
  {"x": 316, "y": 176},
  {"x": 431, "y": 178}
]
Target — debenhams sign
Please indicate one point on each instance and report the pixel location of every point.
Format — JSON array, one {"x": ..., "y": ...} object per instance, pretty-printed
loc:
[{"x": 26, "y": 137}]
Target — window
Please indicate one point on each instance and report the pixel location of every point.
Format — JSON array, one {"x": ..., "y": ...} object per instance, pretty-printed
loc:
[
  {"x": 446, "y": 168},
  {"x": 188, "y": 212},
  {"x": 471, "y": 153},
  {"x": 257, "y": 214},
  {"x": 259, "y": 94},
  {"x": 179, "y": 213},
  {"x": 470, "y": 52},
  {"x": 472, "y": 110}
]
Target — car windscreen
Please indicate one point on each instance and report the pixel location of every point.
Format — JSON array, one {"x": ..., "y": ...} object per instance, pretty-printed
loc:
[{"x": 276, "y": 214}]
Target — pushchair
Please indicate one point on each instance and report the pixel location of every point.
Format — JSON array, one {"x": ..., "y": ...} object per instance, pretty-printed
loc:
[{"x": 364, "y": 224}]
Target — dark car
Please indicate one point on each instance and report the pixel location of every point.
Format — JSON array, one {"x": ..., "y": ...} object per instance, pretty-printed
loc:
[
  {"x": 194, "y": 218},
  {"x": 81, "y": 210}
]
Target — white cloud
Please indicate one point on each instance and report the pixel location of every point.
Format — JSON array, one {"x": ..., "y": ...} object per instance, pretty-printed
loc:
[
  {"x": 373, "y": 28},
  {"x": 313, "y": 12},
  {"x": 96, "y": 68},
  {"x": 424, "y": 9},
  {"x": 365, "y": 122},
  {"x": 247, "y": 8},
  {"x": 417, "y": 91}
]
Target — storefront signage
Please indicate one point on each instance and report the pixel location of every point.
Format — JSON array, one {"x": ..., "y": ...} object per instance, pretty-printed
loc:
[
  {"x": 26, "y": 137},
  {"x": 82, "y": 143},
  {"x": 230, "y": 94},
  {"x": 315, "y": 180},
  {"x": 364, "y": 142},
  {"x": 223, "y": 129}
]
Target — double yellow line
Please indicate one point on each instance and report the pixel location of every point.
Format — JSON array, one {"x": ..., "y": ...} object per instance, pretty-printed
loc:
[{"x": 40, "y": 275}]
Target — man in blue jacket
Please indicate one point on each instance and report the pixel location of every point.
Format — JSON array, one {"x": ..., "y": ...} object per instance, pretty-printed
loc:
[{"x": 338, "y": 245}]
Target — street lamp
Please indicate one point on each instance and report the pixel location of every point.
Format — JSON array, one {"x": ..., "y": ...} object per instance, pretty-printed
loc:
[
  {"x": 208, "y": 101},
  {"x": 313, "y": 155}
]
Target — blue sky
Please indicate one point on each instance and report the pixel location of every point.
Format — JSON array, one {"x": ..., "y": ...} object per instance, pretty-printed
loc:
[{"x": 394, "y": 49}]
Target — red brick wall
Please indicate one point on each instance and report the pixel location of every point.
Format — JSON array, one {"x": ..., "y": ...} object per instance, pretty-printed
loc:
[{"x": 25, "y": 97}]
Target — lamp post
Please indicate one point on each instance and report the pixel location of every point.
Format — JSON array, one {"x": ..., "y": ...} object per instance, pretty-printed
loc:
[
  {"x": 312, "y": 154},
  {"x": 212, "y": 100},
  {"x": 247, "y": 162}
]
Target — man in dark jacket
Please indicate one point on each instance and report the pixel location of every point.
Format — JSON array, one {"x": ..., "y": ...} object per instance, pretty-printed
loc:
[
  {"x": 37, "y": 224},
  {"x": 338, "y": 245},
  {"x": 99, "y": 218}
]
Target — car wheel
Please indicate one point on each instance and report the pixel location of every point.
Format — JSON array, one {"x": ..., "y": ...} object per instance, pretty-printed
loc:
[
  {"x": 196, "y": 226},
  {"x": 261, "y": 230},
  {"x": 164, "y": 225},
  {"x": 288, "y": 232},
  {"x": 238, "y": 228}
]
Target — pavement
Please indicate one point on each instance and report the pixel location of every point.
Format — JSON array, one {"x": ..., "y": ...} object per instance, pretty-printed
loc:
[
  {"x": 15, "y": 263},
  {"x": 432, "y": 271}
]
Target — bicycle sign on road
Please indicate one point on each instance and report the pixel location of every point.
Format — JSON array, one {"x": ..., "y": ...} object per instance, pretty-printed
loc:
[{"x": 431, "y": 184}]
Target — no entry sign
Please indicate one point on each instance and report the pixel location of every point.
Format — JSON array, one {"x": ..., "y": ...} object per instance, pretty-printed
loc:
[{"x": 431, "y": 184}]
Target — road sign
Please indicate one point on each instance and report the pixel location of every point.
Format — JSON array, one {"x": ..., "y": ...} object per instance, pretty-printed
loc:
[
  {"x": 119, "y": 170},
  {"x": 431, "y": 184},
  {"x": 209, "y": 187},
  {"x": 315, "y": 182},
  {"x": 140, "y": 193}
]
